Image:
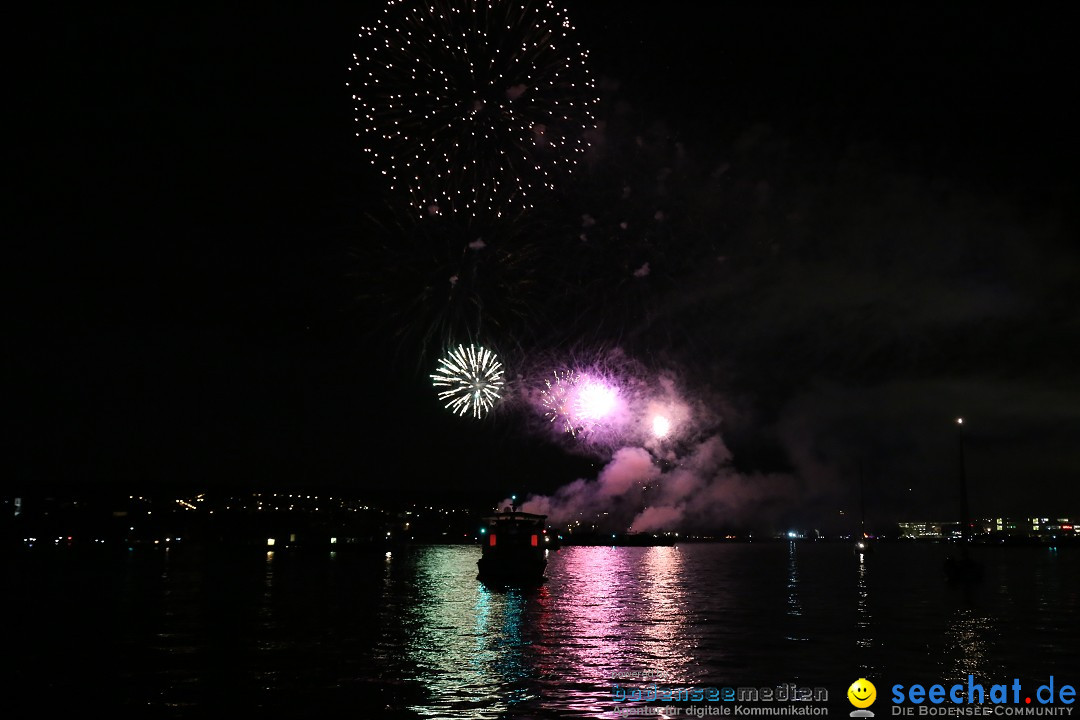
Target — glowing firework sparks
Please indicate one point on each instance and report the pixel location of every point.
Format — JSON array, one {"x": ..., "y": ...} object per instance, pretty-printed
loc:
[
  {"x": 472, "y": 105},
  {"x": 578, "y": 403},
  {"x": 558, "y": 400},
  {"x": 595, "y": 400},
  {"x": 472, "y": 378}
]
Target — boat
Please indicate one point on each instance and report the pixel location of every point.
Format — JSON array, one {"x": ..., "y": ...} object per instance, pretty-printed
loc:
[{"x": 514, "y": 551}]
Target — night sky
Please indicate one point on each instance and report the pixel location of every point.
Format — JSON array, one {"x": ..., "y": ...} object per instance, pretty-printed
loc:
[{"x": 873, "y": 230}]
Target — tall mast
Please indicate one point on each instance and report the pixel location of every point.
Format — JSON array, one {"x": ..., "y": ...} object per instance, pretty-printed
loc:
[
  {"x": 965, "y": 520},
  {"x": 862, "y": 500}
]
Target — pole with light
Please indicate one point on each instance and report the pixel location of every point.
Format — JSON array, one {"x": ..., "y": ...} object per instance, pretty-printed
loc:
[{"x": 965, "y": 521}]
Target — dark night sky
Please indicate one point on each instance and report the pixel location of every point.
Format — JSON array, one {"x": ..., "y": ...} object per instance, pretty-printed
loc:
[{"x": 181, "y": 313}]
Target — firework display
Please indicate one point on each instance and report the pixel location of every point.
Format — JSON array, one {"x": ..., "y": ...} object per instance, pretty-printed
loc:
[
  {"x": 558, "y": 400},
  {"x": 472, "y": 110},
  {"x": 578, "y": 402},
  {"x": 661, "y": 426},
  {"x": 472, "y": 107},
  {"x": 471, "y": 379},
  {"x": 595, "y": 400}
]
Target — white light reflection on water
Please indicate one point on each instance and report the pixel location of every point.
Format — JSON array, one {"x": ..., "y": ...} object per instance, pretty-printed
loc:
[
  {"x": 794, "y": 605},
  {"x": 864, "y": 637},
  {"x": 465, "y": 647},
  {"x": 968, "y": 645},
  {"x": 459, "y": 667}
]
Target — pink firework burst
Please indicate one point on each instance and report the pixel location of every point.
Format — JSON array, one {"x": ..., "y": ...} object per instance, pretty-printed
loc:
[
  {"x": 579, "y": 402},
  {"x": 595, "y": 400},
  {"x": 558, "y": 399}
]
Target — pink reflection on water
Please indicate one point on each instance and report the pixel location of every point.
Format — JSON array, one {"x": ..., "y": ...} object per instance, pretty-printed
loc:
[
  {"x": 624, "y": 622},
  {"x": 664, "y": 590}
]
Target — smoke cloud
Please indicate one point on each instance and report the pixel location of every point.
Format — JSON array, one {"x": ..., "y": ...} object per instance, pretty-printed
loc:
[
  {"x": 615, "y": 492},
  {"x": 700, "y": 492}
]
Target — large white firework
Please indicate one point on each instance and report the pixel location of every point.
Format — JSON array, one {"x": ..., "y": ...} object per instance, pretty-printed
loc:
[
  {"x": 472, "y": 106},
  {"x": 472, "y": 378}
]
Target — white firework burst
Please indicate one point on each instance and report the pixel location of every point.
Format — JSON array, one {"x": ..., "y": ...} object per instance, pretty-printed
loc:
[
  {"x": 473, "y": 106},
  {"x": 472, "y": 379}
]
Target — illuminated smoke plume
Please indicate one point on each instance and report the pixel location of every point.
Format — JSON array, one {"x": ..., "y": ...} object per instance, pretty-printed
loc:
[
  {"x": 667, "y": 467},
  {"x": 673, "y": 472},
  {"x": 615, "y": 491},
  {"x": 702, "y": 492}
]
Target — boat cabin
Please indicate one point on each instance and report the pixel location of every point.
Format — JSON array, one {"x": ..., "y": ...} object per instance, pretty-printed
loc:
[{"x": 513, "y": 547}]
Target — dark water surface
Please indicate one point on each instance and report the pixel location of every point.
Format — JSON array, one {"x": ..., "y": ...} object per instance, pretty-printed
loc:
[{"x": 191, "y": 632}]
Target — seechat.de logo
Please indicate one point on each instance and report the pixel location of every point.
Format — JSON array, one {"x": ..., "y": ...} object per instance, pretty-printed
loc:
[{"x": 862, "y": 695}]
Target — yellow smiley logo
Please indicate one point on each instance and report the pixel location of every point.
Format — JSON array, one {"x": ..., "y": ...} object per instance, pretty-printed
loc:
[{"x": 862, "y": 693}]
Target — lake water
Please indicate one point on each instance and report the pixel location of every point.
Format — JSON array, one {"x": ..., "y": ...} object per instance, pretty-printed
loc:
[{"x": 184, "y": 632}]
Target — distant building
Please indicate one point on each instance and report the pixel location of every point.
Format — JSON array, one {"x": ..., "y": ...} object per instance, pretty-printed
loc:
[
  {"x": 926, "y": 530},
  {"x": 1029, "y": 527}
]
